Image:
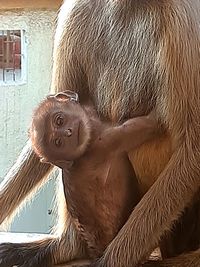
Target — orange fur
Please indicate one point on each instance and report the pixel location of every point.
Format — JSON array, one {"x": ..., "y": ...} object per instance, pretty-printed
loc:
[{"x": 145, "y": 160}]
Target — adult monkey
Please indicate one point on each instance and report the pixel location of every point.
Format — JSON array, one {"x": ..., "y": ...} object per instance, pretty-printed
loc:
[{"x": 129, "y": 57}]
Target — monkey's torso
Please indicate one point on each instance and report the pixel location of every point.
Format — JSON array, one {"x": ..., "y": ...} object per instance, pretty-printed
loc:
[{"x": 100, "y": 193}]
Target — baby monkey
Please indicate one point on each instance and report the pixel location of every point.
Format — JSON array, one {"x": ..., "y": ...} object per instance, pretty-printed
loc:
[{"x": 99, "y": 181}]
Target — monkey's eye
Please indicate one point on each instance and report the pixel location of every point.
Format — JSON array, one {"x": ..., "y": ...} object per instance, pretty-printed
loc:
[
  {"x": 58, "y": 142},
  {"x": 59, "y": 120}
]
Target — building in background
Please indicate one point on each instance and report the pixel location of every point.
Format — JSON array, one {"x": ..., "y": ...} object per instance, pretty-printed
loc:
[{"x": 26, "y": 43}]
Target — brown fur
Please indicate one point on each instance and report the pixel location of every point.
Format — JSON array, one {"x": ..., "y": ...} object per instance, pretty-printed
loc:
[
  {"x": 145, "y": 160},
  {"x": 99, "y": 184},
  {"x": 184, "y": 236},
  {"x": 128, "y": 57},
  {"x": 44, "y": 130},
  {"x": 185, "y": 260}
]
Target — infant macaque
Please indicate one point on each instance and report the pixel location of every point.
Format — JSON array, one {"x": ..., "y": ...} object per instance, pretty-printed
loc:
[{"x": 99, "y": 181}]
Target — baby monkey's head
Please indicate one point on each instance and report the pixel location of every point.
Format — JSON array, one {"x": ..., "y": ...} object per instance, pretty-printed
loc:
[{"x": 60, "y": 128}]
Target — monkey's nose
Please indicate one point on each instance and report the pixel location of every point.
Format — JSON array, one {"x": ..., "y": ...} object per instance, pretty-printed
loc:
[{"x": 68, "y": 132}]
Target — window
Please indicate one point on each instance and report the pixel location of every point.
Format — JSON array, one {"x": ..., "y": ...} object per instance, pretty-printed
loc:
[{"x": 11, "y": 56}]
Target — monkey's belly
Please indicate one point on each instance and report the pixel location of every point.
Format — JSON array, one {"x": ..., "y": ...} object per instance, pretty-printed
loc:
[{"x": 150, "y": 159}]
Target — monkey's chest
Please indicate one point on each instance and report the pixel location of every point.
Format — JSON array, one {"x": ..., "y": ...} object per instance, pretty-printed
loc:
[{"x": 100, "y": 197}]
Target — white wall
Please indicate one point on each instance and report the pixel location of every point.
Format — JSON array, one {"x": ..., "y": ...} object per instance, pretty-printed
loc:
[{"x": 17, "y": 103}]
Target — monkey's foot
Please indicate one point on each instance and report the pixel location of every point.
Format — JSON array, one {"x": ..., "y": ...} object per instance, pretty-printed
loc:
[{"x": 22, "y": 255}]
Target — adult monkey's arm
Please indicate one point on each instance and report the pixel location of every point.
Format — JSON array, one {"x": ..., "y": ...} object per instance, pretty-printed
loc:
[{"x": 25, "y": 176}]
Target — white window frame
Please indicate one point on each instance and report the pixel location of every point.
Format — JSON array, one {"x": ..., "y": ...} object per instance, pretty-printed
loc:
[{"x": 23, "y": 79}]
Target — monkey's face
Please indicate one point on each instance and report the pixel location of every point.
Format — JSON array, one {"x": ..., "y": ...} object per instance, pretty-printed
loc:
[
  {"x": 60, "y": 129},
  {"x": 68, "y": 130}
]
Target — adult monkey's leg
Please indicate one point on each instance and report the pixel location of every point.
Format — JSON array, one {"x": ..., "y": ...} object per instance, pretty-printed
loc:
[
  {"x": 182, "y": 240},
  {"x": 26, "y": 175},
  {"x": 184, "y": 236}
]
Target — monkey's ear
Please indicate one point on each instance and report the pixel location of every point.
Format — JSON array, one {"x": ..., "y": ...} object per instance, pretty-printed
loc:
[
  {"x": 50, "y": 96},
  {"x": 65, "y": 96},
  {"x": 59, "y": 97},
  {"x": 72, "y": 96}
]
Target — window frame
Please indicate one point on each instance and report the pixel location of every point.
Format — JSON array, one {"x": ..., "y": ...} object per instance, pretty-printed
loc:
[{"x": 23, "y": 53}]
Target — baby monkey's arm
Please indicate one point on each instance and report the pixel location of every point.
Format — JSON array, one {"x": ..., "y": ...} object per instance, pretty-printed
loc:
[{"x": 130, "y": 134}]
